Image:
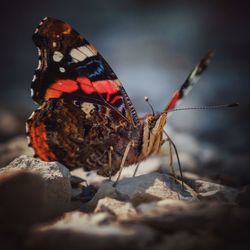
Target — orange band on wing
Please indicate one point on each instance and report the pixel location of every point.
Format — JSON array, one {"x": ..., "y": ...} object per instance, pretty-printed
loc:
[{"x": 38, "y": 138}]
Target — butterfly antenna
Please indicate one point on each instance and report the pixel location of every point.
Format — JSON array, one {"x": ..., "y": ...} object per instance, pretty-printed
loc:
[
  {"x": 146, "y": 99},
  {"x": 212, "y": 107}
]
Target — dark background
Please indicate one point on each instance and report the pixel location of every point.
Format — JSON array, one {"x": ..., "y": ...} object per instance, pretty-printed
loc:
[{"x": 152, "y": 46}]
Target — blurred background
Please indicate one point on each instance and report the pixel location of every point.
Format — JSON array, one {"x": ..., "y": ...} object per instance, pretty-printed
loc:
[{"x": 152, "y": 46}]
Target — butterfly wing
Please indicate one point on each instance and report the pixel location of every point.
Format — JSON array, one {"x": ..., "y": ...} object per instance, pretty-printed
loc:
[
  {"x": 70, "y": 67},
  {"x": 191, "y": 80}
]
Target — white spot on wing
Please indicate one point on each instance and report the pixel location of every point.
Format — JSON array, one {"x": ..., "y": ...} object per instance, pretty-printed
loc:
[
  {"x": 87, "y": 107},
  {"x": 39, "y": 64},
  {"x": 39, "y": 52},
  {"x": 77, "y": 55},
  {"x": 54, "y": 44},
  {"x": 31, "y": 92},
  {"x": 88, "y": 51},
  {"x": 27, "y": 128},
  {"x": 57, "y": 56},
  {"x": 34, "y": 78},
  {"x": 62, "y": 69},
  {"x": 28, "y": 140}
]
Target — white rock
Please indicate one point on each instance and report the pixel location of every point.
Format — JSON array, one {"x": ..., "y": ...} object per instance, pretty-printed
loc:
[
  {"x": 120, "y": 209},
  {"x": 213, "y": 191},
  {"x": 154, "y": 187},
  {"x": 141, "y": 189}
]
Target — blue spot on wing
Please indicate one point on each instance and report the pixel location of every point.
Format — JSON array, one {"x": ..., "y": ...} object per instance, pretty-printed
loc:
[{"x": 91, "y": 69}]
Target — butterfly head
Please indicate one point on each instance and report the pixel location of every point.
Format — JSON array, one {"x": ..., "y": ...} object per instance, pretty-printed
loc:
[{"x": 52, "y": 34}]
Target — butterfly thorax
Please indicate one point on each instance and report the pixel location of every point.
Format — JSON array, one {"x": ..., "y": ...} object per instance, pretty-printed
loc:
[{"x": 152, "y": 134}]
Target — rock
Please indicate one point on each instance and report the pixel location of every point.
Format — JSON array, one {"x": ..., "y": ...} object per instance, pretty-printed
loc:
[
  {"x": 81, "y": 231},
  {"x": 56, "y": 179},
  {"x": 153, "y": 187},
  {"x": 12, "y": 149},
  {"x": 173, "y": 216},
  {"x": 189, "y": 241},
  {"x": 23, "y": 197},
  {"x": 221, "y": 225},
  {"x": 120, "y": 209},
  {"x": 213, "y": 191},
  {"x": 141, "y": 189},
  {"x": 163, "y": 206},
  {"x": 150, "y": 165},
  {"x": 243, "y": 198},
  {"x": 91, "y": 178}
]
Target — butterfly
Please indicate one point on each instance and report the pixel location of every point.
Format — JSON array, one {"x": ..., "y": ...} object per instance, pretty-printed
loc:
[{"x": 85, "y": 117}]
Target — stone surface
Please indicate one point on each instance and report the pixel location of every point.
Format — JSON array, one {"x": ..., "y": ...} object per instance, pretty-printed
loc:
[
  {"x": 81, "y": 231},
  {"x": 141, "y": 189},
  {"x": 154, "y": 187},
  {"x": 12, "y": 149},
  {"x": 148, "y": 166},
  {"x": 120, "y": 209},
  {"x": 56, "y": 179},
  {"x": 201, "y": 225},
  {"x": 213, "y": 191},
  {"x": 149, "y": 211},
  {"x": 23, "y": 199}
]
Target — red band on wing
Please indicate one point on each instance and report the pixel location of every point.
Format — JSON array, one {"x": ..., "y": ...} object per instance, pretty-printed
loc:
[
  {"x": 107, "y": 87},
  {"x": 86, "y": 85},
  {"x": 174, "y": 100},
  {"x": 116, "y": 98},
  {"x": 60, "y": 87}
]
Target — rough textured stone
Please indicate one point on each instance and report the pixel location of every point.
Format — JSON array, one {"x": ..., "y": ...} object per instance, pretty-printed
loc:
[
  {"x": 141, "y": 189},
  {"x": 153, "y": 187},
  {"x": 56, "y": 178},
  {"x": 120, "y": 209},
  {"x": 213, "y": 191}
]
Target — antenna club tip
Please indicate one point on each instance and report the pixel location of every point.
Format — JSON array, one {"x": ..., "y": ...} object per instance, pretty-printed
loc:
[{"x": 146, "y": 99}]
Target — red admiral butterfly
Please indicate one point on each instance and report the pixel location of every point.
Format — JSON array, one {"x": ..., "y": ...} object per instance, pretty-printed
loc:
[{"x": 85, "y": 118}]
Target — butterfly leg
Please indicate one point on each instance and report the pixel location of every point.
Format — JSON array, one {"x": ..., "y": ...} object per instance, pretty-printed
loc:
[
  {"x": 111, "y": 149},
  {"x": 171, "y": 144},
  {"x": 170, "y": 155},
  {"x": 123, "y": 162},
  {"x": 136, "y": 169}
]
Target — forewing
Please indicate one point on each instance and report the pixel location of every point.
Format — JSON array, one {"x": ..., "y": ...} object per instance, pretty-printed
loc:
[{"x": 70, "y": 67}]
